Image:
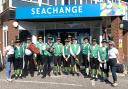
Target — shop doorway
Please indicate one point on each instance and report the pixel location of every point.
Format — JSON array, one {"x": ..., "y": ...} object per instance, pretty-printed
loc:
[
  {"x": 24, "y": 34},
  {"x": 64, "y": 35},
  {"x": 80, "y": 34}
]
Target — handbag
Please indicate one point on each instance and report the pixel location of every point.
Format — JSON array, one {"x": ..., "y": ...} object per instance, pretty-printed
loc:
[
  {"x": 10, "y": 57},
  {"x": 119, "y": 68}
]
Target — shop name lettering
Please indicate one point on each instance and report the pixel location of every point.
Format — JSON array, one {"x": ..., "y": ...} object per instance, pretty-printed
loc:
[{"x": 57, "y": 10}]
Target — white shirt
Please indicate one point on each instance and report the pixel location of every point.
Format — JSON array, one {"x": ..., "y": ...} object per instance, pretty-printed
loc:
[
  {"x": 10, "y": 50},
  {"x": 112, "y": 53}
]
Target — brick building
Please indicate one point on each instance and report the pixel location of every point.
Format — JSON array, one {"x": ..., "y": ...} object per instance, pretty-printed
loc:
[{"x": 15, "y": 22}]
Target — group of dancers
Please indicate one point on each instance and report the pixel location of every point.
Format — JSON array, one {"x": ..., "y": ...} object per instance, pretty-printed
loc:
[{"x": 66, "y": 58}]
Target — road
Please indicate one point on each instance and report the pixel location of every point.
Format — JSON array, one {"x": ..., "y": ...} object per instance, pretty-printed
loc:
[{"x": 59, "y": 82}]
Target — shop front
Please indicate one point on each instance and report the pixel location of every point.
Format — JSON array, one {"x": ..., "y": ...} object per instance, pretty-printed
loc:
[
  {"x": 75, "y": 29},
  {"x": 78, "y": 21}
]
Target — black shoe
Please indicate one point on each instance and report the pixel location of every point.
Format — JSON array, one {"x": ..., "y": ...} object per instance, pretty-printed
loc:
[
  {"x": 44, "y": 76},
  {"x": 92, "y": 78},
  {"x": 96, "y": 79},
  {"x": 59, "y": 73},
  {"x": 16, "y": 77},
  {"x": 32, "y": 75},
  {"x": 49, "y": 74},
  {"x": 55, "y": 74},
  {"x": 77, "y": 74}
]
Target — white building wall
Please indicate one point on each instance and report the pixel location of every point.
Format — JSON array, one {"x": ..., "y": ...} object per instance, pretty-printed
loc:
[{"x": 1, "y": 9}]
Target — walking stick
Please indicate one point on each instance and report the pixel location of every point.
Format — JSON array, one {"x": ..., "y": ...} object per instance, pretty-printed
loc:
[{"x": 23, "y": 57}]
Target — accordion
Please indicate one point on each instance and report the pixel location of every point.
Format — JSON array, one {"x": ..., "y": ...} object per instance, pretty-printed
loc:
[{"x": 34, "y": 49}]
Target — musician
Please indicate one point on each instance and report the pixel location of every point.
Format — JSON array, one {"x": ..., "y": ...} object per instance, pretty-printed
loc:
[
  {"x": 94, "y": 62},
  {"x": 85, "y": 55},
  {"x": 66, "y": 57},
  {"x": 45, "y": 55},
  {"x": 57, "y": 47},
  {"x": 75, "y": 51},
  {"x": 29, "y": 63},
  {"x": 39, "y": 45},
  {"x": 18, "y": 63}
]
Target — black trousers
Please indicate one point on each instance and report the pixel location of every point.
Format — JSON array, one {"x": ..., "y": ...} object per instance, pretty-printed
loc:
[
  {"x": 29, "y": 65},
  {"x": 57, "y": 60},
  {"x": 75, "y": 62},
  {"x": 46, "y": 62},
  {"x": 18, "y": 64},
  {"x": 38, "y": 59},
  {"x": 85, "y": 60},
  {"x": 50, "y": 58},
  {"x": 94, "y": 63},
  {"x": 67, "y": 63},
  {"x": 103, "y": 67}
]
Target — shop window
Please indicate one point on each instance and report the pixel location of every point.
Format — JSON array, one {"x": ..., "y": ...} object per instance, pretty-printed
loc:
[
  {"x": 89, "y": 1},
  {"x": 66, "y": 2},
  {"x": 84, "y": 1},
  {"x": 35, "y": 0},
  {"x": 72, "y": 2},
  {"x": 44, "y": 1},
  {"x": 77, "y": 1},
  {"x": 59, "y": 2},
  {"x": 24, "y": 34},
  {"x": 52, "y": 2}
]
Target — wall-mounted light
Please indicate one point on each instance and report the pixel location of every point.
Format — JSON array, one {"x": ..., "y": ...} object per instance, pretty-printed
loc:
[
  {"x": 121, "y": 25},
  {"x": 15, "y": 24}
]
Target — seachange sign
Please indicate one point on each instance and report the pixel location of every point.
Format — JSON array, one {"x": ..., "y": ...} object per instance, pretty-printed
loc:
[
  {"x": 56, "y": 10},
  {"x": 67, "y": 11}
]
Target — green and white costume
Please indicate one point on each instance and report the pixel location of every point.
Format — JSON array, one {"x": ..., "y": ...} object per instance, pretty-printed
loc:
[
  {"x": 66, "y": 51},
  {"x": 75, "y": 51},
  {"x": 57, "y": 49},
  {"x": 18, "y": 60},
  {"x": 94, "y": 51},
  {"x": 103, "y": 57}
]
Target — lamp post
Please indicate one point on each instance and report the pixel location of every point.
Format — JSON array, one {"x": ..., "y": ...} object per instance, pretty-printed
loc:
[{"x": 16, "y": 25}]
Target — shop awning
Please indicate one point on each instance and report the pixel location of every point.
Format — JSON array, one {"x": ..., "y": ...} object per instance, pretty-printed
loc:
[{"x": 70, "y": 11}]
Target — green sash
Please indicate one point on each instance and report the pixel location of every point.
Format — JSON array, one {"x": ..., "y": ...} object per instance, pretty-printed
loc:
[
  {"x": 94, "y": 51},
  {"x": 103, "y": 53},
  {"x": 66, "y": 50},
  {"x": 75, "y": 48},
  {"x": 57, "y": 49},
  {"x": 85, "y": 48}
]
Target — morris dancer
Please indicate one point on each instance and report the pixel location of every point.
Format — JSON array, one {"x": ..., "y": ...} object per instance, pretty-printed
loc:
[
  {"x": 85, "y": 55},
  {"x": 75, "y": 51},
  {"x": 57, "y": 47},
  {"x": 94, "y": 62},
  {"x": 18, "y": 64},
  {"x": 66, "y": 56}
]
